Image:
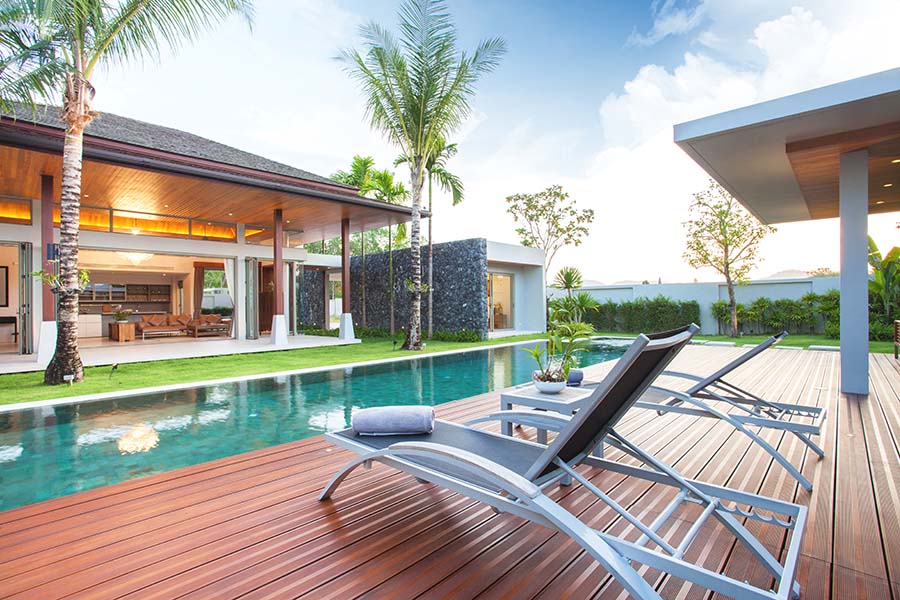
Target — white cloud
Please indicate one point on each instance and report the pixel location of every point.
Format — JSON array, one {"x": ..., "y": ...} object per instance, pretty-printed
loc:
[{"x": 669, "y": 19}]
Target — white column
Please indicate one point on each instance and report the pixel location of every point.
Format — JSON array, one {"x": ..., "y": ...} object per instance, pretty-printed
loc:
[{"x": 854, "y": 210}]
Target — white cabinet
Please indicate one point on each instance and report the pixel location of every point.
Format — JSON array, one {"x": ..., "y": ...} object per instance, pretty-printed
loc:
[{"x": 90, "y": 326}]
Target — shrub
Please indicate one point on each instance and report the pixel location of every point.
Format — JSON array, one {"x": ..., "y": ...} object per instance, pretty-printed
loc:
[
  {"x": 880, "y": 331},
  {"x": 372, "y": 332},
  {"x": 225, "y": 311},
  {"x": 643, "y": 315},
  {"x": 463, "y": 335},
  {"x": 313, "y": 330}
]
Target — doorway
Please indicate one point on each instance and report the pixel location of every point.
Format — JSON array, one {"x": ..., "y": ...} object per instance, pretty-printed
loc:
[
  {"x": 15, "y": 298},
  {"x": 500, "y": 301}
]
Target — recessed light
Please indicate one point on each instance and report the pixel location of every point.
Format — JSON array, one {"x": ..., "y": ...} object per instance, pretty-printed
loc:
[
  {"x": 879, "y": 202},
  {"x": 895, "y": 161},
  {"x": 230, "y": 214},
  {"x": 165, "y": 206},
  {"x": 889, "y": 185},
  {"x": 288, "y": 221}
]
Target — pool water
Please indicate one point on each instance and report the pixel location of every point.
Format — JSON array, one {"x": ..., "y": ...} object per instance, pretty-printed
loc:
[{"x": 57, "y": 450}]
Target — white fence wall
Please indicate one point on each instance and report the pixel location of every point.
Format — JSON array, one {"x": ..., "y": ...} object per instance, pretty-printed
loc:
[{"x": 707, "y": 293}]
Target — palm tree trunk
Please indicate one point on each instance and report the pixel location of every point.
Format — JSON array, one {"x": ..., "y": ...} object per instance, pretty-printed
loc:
[
  {"x": 391, "y": 277},
  {"x": 66, "y": 359},
  {"x": 414, "y": 332},
  {"x": 430, "y": 265}
]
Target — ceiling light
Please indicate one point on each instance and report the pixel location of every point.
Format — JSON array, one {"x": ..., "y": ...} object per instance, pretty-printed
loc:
[
  {"x": 879, "y": 202},
  {"x": 889, "y": 185},
  {"x": 895, "y": 161},
  {"x": 165, "y": 206},
  {"x": 135, "y": 230},
  {"x": 230, "y": 214},
  {"x": 135, "y": 258}
]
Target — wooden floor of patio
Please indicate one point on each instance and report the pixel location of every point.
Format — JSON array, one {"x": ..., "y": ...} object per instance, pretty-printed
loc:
[{"x": 250, "y": 526}]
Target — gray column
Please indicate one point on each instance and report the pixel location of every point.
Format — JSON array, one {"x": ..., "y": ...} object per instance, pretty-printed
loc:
[{"x": 854, "y": 210}]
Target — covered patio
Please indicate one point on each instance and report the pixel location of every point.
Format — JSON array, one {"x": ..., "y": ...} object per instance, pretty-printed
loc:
[
  {"x": 825, "y": 153},
  {"x": 166, "y": 203}
]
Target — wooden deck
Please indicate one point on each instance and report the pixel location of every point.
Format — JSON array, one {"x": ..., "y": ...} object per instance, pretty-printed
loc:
[{"x": 250, "y": 526}]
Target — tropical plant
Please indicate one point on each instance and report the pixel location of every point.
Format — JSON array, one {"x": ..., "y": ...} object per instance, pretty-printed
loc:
[
  {"x": 28, "y": 67},
  {"x": 387, "y": 190},
  {"x": 550, "y": 220},
  {"x": 360, "y": 177},
  {"x": 558, "y": 355},
  {"x": 884, "y": 285},
  {"x": 78, "y": 36},
  {"x": 568, "y": 278},
  {"x": 418, "y": 89},
  {"x": 436, "y": 167},
  {"x": 721, "y": 234}
]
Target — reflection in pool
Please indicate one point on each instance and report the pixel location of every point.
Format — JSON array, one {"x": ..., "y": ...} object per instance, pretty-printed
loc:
[{"x": 53, "y": 451}]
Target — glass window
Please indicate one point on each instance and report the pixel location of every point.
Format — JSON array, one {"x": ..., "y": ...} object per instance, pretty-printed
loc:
[
  {"x": 148, "y": 224},
  {"x": 15, "y": 211},
  {"x": 89, "y": 218},
  {"x": 213, "y": 230}
]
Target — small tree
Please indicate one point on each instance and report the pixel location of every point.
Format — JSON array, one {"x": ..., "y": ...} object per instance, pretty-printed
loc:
[
  {"x": 550, "y": 220},
  {"x": 884, "y": 285},
  {"x": 568, "y": 278},
  {"x": 721, "y": 234}
]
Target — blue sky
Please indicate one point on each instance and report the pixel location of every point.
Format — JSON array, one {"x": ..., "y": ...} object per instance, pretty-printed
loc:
[{"x": 586, "y": 97}]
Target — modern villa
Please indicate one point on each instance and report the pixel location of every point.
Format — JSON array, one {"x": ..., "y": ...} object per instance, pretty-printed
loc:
[{"x": 160, "y": 208}]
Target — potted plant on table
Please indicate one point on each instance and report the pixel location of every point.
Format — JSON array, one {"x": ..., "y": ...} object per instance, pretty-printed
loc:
[
  {"x": 557, "y": 357},
  {"x": 122, "y": 316}
]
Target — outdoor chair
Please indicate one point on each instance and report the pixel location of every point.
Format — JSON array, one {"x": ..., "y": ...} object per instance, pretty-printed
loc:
[
  {"x": 712, "y": 396},
  {"x": 511, "y": 475}
]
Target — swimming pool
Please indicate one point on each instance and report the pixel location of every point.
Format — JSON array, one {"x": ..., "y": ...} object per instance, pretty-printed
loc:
[{"x": 51, "y": 451}]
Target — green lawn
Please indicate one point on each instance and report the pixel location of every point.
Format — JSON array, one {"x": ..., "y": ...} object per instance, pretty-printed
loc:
[
  {"x": 27, "y": 387},
  {"x": 803, "y": 341}
]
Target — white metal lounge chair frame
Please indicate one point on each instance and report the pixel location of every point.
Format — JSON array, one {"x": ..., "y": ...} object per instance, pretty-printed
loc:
[
  {"x": 507, "y": 491},
  {"x": 749, "y": 409}
]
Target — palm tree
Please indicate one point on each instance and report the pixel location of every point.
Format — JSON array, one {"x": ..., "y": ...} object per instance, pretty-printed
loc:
[
  {"x": 387, "y": 190},
  {"x": 418, "y": 90},
  {"x": 568, "y": 278},
  {"x": 79, "y": 36},
  {"x": 27, "y": 65},
  {"x": 437, "y": 169},
  {"x": 359, "y": 176}
]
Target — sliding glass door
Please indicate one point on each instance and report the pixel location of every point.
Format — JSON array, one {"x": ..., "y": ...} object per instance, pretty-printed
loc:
[{"x": 500, "y": 301}]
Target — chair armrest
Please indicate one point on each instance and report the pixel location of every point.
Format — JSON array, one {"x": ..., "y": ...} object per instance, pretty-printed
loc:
[
  {"x": 531, "y": 418},
  {"x": 479, "y": 465}
]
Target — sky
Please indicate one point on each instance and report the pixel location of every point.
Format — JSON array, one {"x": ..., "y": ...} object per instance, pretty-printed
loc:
[{"x": 585, "y": 97}]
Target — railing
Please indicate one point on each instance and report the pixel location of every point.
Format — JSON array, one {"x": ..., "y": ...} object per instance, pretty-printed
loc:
[{"x": 112, "y": 220}]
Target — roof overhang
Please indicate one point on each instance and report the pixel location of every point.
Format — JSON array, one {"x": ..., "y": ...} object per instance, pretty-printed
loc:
[
  {"x": 780, "y": 158},
  {"x": 133, "y": 178}
]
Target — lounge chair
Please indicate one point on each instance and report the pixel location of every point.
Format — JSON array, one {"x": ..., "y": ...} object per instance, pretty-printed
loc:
[
  {"x": 511, "y": 474},
  {"x": 712, "y": 396}
]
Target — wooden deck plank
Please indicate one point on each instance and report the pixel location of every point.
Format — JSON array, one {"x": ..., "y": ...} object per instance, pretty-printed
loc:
[{"x": 250, "y": 524}]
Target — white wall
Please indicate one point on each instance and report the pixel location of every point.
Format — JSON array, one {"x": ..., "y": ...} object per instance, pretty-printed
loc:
[
  {"x": 707, "y": 293},
  {"x": 529, "y": 301}
]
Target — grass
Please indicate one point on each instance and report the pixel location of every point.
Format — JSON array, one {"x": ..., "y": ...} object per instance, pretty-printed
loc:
[
  {"x": 29, "y": 387},
  {"x": 802, "y": 340}
]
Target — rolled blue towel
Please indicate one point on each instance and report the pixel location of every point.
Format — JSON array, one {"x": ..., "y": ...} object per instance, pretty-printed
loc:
[{"x": 393, "y": 420}]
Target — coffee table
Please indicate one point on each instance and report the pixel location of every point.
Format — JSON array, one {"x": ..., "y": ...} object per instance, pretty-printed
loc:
[{"x": 568, "y": 402}]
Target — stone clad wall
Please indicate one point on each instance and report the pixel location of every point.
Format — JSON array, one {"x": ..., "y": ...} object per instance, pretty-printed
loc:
[
  {"x": 311, "y": 297},
  {"x": 460, "y": 287}
]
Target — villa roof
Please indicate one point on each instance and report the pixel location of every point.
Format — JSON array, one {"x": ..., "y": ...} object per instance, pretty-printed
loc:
[
  {"x": 780, "y": 158},
  {"x": 117, "y": 128}
]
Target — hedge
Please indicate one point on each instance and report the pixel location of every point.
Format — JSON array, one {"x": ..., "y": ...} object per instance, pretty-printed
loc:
[
  {"x": 809, "y": 314},
  {"x": 644, "y": 315}
]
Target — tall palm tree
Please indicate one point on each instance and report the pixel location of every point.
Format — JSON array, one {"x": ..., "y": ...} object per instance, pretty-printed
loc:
[
  {"x": 436, "y": 168},
  {"x": 360, "y": 176},
  {"x": 568, "y": 278},
  {"x": 418, "y": 90},
  {"x": 386, "y": 189},
  {"x": 80, "y": 36},
  {"x": 28, "y": 68}
]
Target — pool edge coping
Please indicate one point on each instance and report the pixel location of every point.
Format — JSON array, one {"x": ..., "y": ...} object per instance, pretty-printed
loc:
[{"x": 172, "y": 387}]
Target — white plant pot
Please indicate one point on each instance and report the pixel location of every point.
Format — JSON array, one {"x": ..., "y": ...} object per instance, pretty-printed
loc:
[{"x": 549, "y": 387}]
